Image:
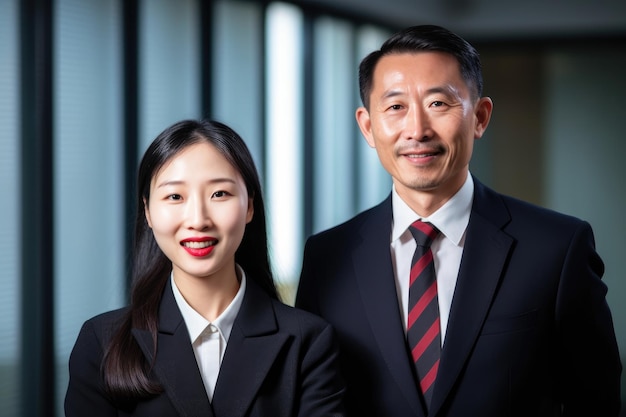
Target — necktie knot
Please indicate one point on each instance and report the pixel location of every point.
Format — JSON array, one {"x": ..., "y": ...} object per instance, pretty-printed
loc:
[{"x": 423, "y": 232}]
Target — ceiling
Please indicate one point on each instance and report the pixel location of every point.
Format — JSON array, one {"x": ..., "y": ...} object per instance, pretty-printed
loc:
[{"x": 495, "y": 18}]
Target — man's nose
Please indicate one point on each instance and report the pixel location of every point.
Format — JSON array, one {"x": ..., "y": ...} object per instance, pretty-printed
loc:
[{"x": 417, "y": 124}]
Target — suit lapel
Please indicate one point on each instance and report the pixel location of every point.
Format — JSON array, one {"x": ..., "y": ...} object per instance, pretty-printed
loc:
[
  {"x": 253, "y": 347},
  {"x": 175, "y": 364},
  {"x": 374, "y": 275},
  {"x": 485, "y": 253}
]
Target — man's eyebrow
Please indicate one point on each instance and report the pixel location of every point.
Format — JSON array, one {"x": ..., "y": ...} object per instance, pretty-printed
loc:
[
  {"x": 443, "y": 89},
  {"x": 392, "y": 93},
  {"x": 440, "y": 89}
]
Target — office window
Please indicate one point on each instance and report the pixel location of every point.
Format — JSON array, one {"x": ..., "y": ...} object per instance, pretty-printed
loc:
[
  {"x": 374, "y": 183},
  {"x": 169, "y": 66},
  {"x": 284, "y": 176},
  {"x": 334, "y": 124},
  {"x": 88, "y": 183},
  {"x": 237, "y": 71},
  {"x": 9, "y": 209}
]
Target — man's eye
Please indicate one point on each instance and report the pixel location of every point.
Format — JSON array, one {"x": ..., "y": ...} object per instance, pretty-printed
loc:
[
  {"x": 395, "y": 107},
  {"x": 438, "y": 104}
]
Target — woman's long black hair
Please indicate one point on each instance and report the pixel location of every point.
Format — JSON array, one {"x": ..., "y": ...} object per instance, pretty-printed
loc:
[{"x": 125, "y": 369}]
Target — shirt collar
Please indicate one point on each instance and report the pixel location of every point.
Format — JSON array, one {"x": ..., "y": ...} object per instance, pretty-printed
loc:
[
  {"x": 451, "y": 219},
  {"x": 196, "y": 324}
]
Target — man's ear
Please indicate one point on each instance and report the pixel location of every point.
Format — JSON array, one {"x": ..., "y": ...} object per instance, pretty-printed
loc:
[
  {"x": 482, "y": 111},
  {"x": 365, "y": 124}
]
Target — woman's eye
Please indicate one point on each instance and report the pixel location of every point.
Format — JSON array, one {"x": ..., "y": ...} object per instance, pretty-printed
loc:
[
  {"x": 220, "y": 194},
  {"x": 174, "y": 197}
]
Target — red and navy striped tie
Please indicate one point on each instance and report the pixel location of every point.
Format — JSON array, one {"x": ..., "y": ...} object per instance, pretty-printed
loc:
[{"x": 423, "y": 329}]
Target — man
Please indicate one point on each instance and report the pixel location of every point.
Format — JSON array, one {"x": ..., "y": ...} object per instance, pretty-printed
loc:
[{"x": 516, "y": 323}]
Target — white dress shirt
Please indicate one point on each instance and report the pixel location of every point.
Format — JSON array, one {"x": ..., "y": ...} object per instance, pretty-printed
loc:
[
  {"x": 451, "y": 220},
  {"x": 209, "y": 339}
]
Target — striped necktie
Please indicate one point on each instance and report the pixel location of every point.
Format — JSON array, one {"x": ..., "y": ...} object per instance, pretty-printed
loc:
[{"x": 423, "y": 329}]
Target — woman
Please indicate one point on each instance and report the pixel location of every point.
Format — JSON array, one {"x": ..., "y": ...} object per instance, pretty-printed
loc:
[{"x": 205, "y": 333}]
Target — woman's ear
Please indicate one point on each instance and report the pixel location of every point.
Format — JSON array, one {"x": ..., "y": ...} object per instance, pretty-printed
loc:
[
  {"x": 146, "y": 211},
  {"x": 250, "y": 213}
]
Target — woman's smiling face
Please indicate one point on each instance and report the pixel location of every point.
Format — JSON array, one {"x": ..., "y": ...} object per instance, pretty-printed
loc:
[{"x": 198, "y": 211}]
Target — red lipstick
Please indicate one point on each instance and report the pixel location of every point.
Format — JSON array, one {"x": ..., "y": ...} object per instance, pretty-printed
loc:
[{"x": 199, "y": 246}]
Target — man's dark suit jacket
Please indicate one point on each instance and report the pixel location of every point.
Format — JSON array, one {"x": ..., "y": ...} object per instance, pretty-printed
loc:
[
  {"x": 529, "y": 331},
  {"x": 279, "y": 362}
]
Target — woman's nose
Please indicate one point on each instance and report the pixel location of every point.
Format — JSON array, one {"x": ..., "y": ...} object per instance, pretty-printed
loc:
[{"x": 197, "y": 214}]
